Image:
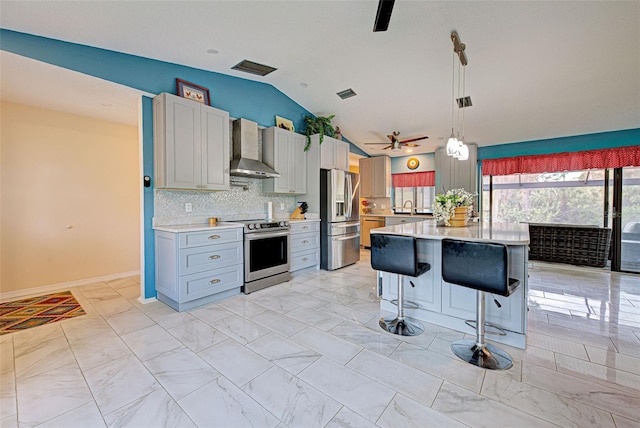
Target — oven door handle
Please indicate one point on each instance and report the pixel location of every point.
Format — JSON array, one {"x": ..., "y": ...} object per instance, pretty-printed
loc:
[{"x": 262, "y": 235}]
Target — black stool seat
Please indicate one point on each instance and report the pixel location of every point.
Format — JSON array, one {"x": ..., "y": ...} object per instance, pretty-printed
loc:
[
  {"x": 398, "y": 254},
  {"x": 482, "y": 266}
]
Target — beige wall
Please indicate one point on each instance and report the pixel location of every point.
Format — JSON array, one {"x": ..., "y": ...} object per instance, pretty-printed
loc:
[{"x": 69, "y": 198}]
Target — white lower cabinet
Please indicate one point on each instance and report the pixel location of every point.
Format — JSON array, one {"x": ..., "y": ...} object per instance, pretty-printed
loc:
[
  {"x": 195, "y": 268},
  {"x": 305, "y": 245}
]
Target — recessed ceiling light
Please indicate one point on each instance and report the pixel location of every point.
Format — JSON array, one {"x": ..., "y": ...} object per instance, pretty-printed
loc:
[
  {"x": 213, "y": 51},
  {"x": 304, "y": 85},
  {"x": 253, "y": 68}
]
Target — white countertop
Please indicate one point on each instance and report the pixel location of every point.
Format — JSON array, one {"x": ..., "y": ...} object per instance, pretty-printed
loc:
[
  {"x": 420, "y": 216},
  {"x": 506, "y": 233},
  {"x": 198, "y": 227}
]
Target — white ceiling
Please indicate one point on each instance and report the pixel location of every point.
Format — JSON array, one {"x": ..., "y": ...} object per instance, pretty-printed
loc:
[{"x": 536, "y": 70}]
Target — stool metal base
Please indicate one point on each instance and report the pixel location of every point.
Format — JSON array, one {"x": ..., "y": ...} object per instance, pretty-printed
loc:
[
  {"x": 486, "y": 356},
  {"x": 401, "y": 327}
]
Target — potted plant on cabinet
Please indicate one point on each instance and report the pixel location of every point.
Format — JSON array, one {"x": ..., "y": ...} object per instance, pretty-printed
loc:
[
  {"x": 318, "y": 125},
  {"x": 453, "y": 207}
]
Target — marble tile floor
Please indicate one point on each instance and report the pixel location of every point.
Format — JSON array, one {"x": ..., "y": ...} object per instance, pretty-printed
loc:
[{"x": 308, "y": 353}]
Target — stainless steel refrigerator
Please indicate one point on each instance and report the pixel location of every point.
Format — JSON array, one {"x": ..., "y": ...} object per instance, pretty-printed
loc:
[{"x": 340, "y": 218}]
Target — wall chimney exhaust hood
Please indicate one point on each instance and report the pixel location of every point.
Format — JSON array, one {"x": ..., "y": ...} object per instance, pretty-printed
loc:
[{"x": 245, "y": 161}]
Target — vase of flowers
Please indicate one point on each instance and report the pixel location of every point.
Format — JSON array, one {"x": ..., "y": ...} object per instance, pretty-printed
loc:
[{"x": 453, "y": 207}]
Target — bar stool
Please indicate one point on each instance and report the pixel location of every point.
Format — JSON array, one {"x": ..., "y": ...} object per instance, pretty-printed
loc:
[
  {"x": 483, "y": 267},
  {"x": 398, "y": 254}
]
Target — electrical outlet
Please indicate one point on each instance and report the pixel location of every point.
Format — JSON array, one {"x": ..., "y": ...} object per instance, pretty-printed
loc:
[
  {"x": 188, "y": 207},
  {"x": 281, "y": 206}
]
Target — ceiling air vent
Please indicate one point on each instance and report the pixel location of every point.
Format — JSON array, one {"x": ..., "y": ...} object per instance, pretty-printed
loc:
[
  {"x": 347, "y": 93},
  {"x": 464, "y": 102},
  {"x": 253, "y": 68}
]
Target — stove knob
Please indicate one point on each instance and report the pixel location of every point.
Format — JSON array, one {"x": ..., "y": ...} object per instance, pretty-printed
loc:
[
  {"x": 251, "y": 226},
  {"x": 282, "y": 223},
  {"x": 258, "y": 226}
]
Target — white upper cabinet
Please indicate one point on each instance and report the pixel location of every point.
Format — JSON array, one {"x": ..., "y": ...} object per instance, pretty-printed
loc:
[
  {"x": 191, "y": 144},
  {"x": 375, "y": 177},
  {"x": 283, "y": 151},
  {"x": 334, "y": 154}
]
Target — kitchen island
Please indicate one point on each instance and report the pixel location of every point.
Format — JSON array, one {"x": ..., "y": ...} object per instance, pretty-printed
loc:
[{"x": 449, "y": 305}]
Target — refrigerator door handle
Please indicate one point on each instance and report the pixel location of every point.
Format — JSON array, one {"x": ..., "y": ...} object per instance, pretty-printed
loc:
[{"x": 350, "y": 196}]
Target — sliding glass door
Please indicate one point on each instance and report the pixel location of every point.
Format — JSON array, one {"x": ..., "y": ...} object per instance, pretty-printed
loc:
[{"x": 626, "y": 221}]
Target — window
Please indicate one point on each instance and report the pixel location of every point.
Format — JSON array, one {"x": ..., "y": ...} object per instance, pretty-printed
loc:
[
  {"x": 421, "y": 199},
  {"x": 568, "y": 197}
]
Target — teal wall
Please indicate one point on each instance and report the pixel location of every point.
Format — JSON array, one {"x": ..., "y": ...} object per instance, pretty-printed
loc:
[
  {"x": 427, "y": 163},
  {"x": 603, "y": 140},
  {"x": 147, "y": 194}
]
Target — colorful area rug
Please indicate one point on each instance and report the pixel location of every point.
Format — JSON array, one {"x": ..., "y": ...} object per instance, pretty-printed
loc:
[{"x": 22, "y": 314}]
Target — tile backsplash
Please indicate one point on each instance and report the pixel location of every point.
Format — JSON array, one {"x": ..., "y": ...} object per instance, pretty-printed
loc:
[{"x": 239, "y": 203}]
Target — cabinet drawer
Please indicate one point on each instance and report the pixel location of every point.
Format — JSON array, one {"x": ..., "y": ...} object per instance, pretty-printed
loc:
[
  {"x": 304, "y": 227},
  {"x": 303, "y": 259},
  {"x": 198, "y": 239},
  {"x": 199, "y": 259},
  {"x": 304, "y": 241},
  {"x": 210, "y": 282}
]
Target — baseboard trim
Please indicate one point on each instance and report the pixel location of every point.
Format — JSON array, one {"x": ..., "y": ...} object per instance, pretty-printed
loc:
[
  {"x": 144, "y": 301},
  {"x": 12, "y": 295}
]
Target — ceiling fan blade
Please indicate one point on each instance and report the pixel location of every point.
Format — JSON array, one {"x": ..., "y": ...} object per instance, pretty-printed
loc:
[
  {"x": 411, "y": 140},
  {"x": 376, "y": 143},
  {"x": 388, "y": 147},
  {"x": 383, "y": 15}
]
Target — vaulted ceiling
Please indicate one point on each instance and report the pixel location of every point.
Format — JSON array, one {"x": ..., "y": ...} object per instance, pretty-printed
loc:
[{"x": 536, "y": 69}]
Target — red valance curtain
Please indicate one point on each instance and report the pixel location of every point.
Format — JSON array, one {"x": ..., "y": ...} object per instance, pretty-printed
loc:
[
  {"x": 414, "y": 179},
  {"x": 568, "y": 161}
]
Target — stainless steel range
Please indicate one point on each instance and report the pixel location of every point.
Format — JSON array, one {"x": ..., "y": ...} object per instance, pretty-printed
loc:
[{"x": 266, "y": 253}]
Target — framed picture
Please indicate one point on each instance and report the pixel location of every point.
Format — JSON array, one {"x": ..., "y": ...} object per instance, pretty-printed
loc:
[
  {"x": 193, "y": 92},
  {"x": 283, "y": 123}
]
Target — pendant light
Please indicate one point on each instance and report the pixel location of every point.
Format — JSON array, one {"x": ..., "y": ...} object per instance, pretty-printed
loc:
[
  {"x": 455, "y": 145},
  {"x": 463, "y": 151},
  {"x": 452, "y": 143}
]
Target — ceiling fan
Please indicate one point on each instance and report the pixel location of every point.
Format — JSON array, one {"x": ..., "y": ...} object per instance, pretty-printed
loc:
[{"x": 397, "y": 144}]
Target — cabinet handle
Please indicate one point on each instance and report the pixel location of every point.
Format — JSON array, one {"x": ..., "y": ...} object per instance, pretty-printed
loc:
[
  {"x": 204, "y": 186},
  {"x": 305, "y": 227},
  {"x": 214, "y": 237},
  {"x": 214, "y": 281},
  {"x": 199, "y": 186},
  {"x": 215, "y": 256},
  {"x": 304, "y": 259},
  {"x": 305, "y": 242}
]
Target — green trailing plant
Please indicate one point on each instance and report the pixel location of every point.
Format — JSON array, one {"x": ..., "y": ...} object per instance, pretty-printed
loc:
[{"x": 318, "y": 125}]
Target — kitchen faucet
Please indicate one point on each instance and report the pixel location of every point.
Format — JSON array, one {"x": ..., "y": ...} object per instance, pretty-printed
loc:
[{"x": 410, "y": 204}]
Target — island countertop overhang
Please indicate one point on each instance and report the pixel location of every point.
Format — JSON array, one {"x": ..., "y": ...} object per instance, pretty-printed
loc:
[{"x": 505, "y": 233}]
